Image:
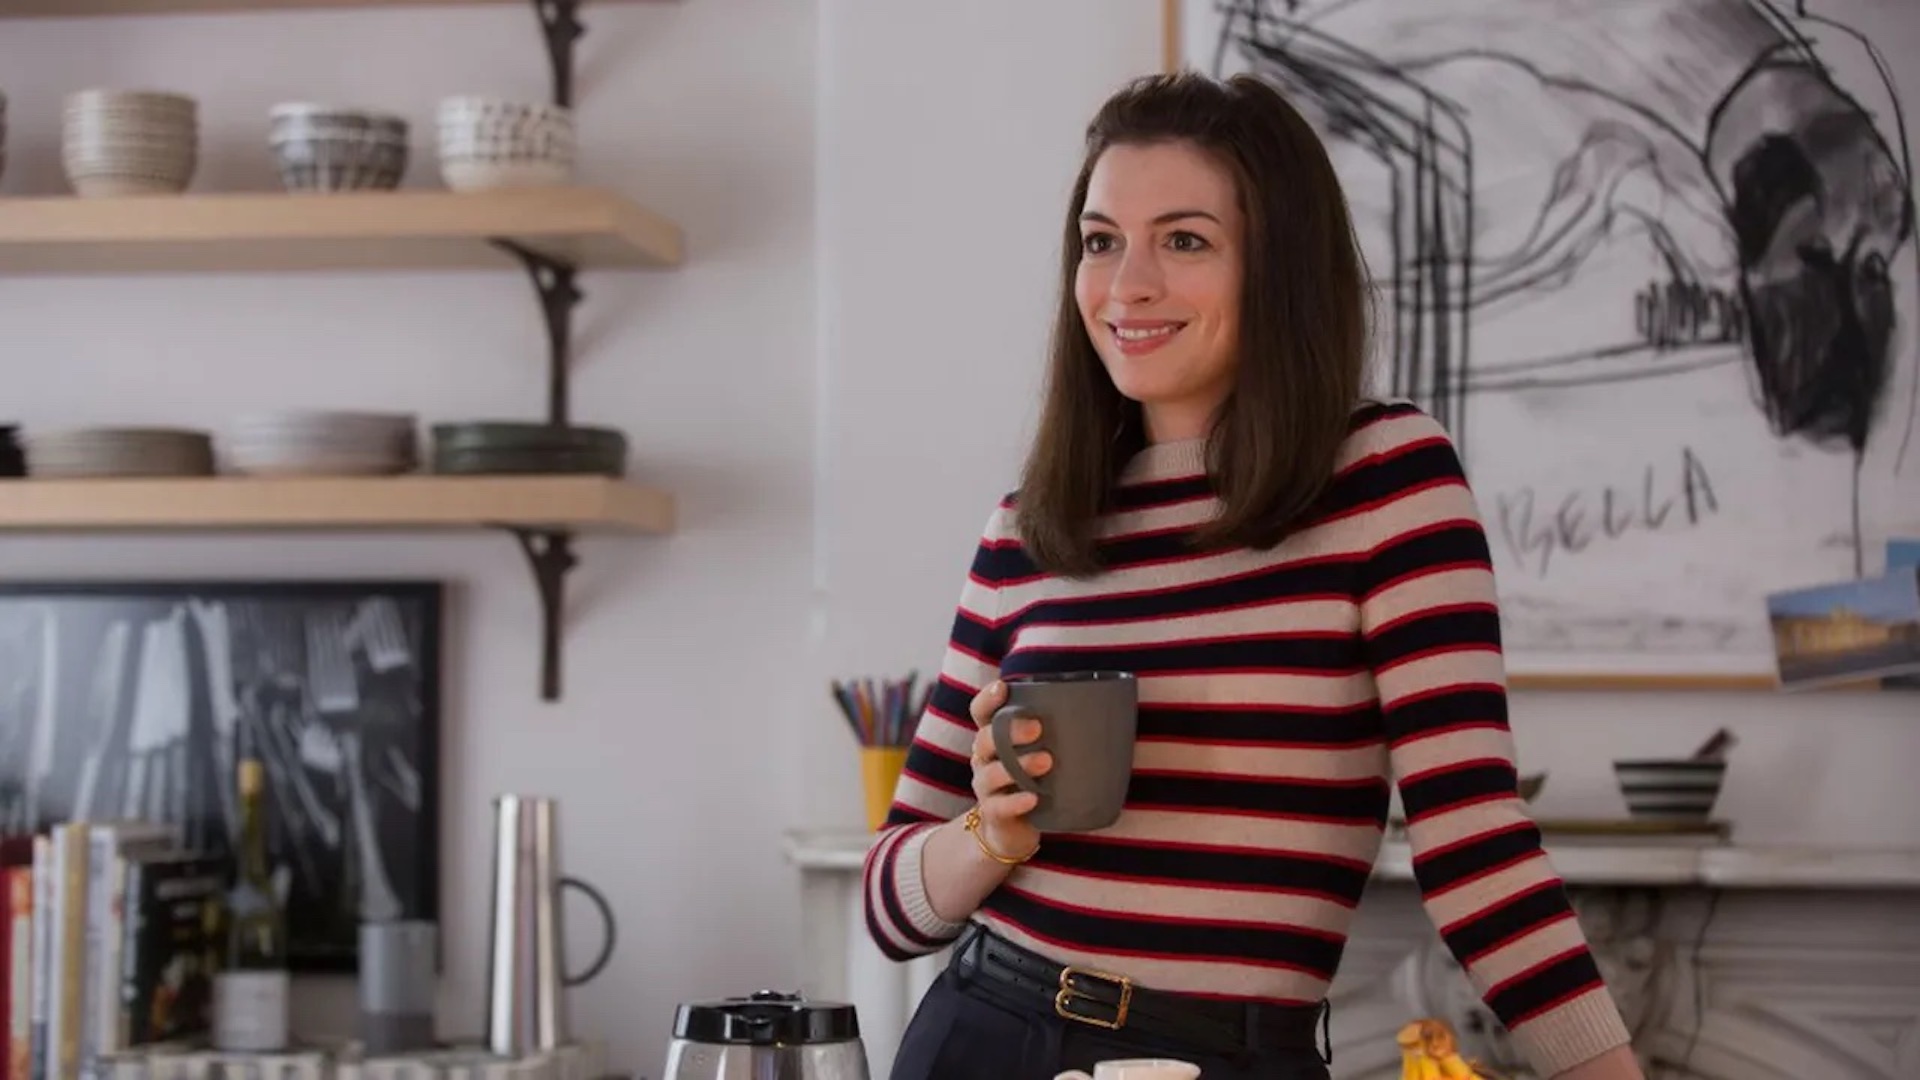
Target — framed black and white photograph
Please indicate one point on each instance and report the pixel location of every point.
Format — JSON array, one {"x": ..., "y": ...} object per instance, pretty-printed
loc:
[{"x": 135, "y": 700}]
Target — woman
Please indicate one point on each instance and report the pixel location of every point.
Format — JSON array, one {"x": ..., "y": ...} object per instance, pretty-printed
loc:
[{"x": 1298, "y": 579}]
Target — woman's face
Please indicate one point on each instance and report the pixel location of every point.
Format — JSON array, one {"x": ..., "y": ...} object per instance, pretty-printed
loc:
[{"x": 1159, "y": 281}]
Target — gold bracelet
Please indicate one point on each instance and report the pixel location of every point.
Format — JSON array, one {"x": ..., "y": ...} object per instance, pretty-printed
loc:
[{"x": 972, "y": 823}]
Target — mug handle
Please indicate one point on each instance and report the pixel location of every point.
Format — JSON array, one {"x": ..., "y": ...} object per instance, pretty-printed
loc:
[
  {"x": 606, "y": 943},
  {"x": 1002, "y": 725}
]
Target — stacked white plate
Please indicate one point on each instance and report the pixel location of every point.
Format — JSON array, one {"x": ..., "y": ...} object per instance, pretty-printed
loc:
[
  {"x": 129, "y": 142},
  {"x": 489, "y": 143},
  {"x": 118, "y": 451},
  {"x": 321, "y": 443}
]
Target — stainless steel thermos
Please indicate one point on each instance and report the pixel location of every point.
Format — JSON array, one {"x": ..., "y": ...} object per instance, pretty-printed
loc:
[{"x": 526, "y": 980}]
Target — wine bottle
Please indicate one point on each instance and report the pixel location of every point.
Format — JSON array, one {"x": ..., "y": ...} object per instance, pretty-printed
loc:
[{"x": 250, "y": 1006}]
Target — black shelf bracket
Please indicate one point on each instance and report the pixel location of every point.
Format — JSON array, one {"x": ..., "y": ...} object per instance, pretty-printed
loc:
[
  {"x": 555, "y": 283},
  {"x": 550, "y": 555},
  {"x": 560, "y": 25},
  {"x": 550, "y": 551}
]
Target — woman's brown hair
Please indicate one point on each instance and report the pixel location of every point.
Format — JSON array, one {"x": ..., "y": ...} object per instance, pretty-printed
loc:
[{"x": 1302, "y": 336}]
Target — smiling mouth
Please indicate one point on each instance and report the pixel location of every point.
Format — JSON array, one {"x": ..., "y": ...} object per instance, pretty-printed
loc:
[{"x": 1138, "y": 339}]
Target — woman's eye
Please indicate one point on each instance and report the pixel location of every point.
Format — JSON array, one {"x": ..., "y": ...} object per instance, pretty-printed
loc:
[
  {"x": 1096, "y": 243},
  {"x": 1186, "y": 241}
]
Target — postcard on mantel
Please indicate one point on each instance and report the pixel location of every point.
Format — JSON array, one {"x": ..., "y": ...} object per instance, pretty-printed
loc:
[{"x": 1852, "y": 631}]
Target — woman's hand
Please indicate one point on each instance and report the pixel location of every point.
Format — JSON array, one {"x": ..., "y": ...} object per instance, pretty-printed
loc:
[
  {"x": 1004, "y": 807},
  {"x": 955, "y": 874}
]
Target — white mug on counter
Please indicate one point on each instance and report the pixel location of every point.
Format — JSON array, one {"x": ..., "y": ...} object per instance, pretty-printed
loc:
[{"x": 1136, "y": 1069}]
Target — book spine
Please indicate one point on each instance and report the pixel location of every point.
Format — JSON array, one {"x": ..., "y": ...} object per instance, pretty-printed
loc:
[{"x": 19, "y": 972}]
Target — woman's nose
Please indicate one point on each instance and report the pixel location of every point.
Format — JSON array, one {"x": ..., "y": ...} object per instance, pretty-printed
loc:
[{"x": 1139, "y": 278}]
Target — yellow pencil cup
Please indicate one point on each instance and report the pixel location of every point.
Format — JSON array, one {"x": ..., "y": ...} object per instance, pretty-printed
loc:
[{"x": 879, "y": 774}]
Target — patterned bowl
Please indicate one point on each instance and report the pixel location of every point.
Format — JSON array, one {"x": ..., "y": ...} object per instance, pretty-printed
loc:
[
  {"x": 321, "y": 148},
  {"x": 490, "y": 143}
]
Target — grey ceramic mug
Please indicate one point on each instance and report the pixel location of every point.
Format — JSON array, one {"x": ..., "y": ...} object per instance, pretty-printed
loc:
[{"x": 1087, "y": 722}]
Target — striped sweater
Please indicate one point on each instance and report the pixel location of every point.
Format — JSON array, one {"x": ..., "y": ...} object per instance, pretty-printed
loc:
[{"x": 1281, "y": 692}]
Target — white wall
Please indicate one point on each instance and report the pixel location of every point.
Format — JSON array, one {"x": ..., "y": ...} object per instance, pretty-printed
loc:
[
  {"x": 684, "y": 652},
  {"x": 949, "y": 138},
  {"x": 837, "y": 385}
]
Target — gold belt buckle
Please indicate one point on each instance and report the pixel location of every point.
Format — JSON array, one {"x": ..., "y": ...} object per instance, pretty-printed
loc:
[{"x": 1068, "y": 993}]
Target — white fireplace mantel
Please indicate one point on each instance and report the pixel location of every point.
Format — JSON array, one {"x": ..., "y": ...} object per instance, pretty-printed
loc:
[
  {"x": 1582, "y": 863},
  {"x": 1731, "y": 962}
]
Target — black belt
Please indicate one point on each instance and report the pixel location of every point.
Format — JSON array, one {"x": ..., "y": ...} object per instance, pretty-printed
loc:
[{"x": 1115, "y": 1002}]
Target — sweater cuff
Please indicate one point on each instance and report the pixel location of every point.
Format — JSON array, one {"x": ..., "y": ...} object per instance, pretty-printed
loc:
[
  {"x": 1567, "y": 1035},
  {"x": 911, "y": 888}
]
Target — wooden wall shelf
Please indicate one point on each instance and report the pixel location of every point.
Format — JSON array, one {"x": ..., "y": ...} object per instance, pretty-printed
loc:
[
  {"x": 17, "y": 9},
  {"x": 550, "y": 233},
  {"x": 591, "y": 503},
  {"x": 398, "y": 230}
]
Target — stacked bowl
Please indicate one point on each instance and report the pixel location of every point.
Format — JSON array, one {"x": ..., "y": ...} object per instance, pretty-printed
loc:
[
  {"x": 129, "y": 142},
  {"x": 118, "y": 451},
  {"x": 489, "y": 143},
  {"x": 321, "y": 443},
  {"x": 321, "y": 148},
  {"x": 3, "y": 134}
]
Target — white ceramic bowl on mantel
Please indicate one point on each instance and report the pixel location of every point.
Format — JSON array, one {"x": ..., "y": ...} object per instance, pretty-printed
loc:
[{"x": 487, "y": 143}]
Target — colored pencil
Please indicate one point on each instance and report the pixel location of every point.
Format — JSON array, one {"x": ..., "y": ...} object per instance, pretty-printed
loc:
[{"x": 882, "y": 712}]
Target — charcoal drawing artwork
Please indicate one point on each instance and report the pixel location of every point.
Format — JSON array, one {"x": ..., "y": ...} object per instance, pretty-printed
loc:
[
  {"x": 136, "y": 700},
  {"x": 1652, "y": 263}
]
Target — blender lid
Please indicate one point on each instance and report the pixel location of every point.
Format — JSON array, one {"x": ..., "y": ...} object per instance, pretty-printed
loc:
[{"x": 766, "y": 1018}]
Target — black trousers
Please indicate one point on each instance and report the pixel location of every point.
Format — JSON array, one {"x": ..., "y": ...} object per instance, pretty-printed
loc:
[{"x": 964, "y": 1030}]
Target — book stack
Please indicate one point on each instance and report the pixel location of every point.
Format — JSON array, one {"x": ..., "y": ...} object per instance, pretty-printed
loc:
[{"x": 111, "y": 937}]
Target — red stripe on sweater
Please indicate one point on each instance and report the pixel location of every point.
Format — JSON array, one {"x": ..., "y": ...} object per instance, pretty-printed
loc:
[
  {"x": 1479, "y": 875},
  {"x": 1241, "y": 812},
  {"x": 1188, "y": 642},
  {"x": 1430, "y": 570},
  {"x": 1260, "y": 778},
  {"x": 1169, "y": 920},
  {"x": 1455, "y": 807},
  {"x": 1447, "y": 729},
  {"x": 1336, "y": 899},
  {"x": 1443, "y": 690},
  {"x": 1536, "y": 969},
  {"x": 1278, "y": 605},
  {"x": 1381, "y": 457},
  {"x": 1437, "y": 650},
  {"x": 1336, "y": 559},
  {"x": 1452, "y": 767},
  {"x": 1437, "y": 850},
  {"x": 1508, "y": 939},
  {"x": 1437, "y": 611},
  {"x": 1224, "y": 849},
  {"x": 1143, "y": 954}
]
